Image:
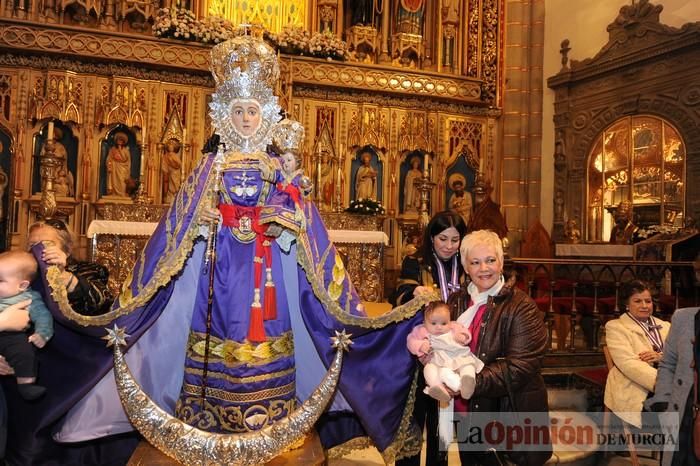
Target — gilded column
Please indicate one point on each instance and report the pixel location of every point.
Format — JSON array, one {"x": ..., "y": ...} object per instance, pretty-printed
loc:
[
  {"x": 327, "y": 11},
  {"x": 430, "y": 36},
  {"x": 385, "y": 56}
]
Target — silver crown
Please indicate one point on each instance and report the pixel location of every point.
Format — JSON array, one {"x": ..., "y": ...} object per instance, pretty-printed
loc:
[
  {"x": 244, "y": 68},
  {"x": 288, "y": 136},
  {"x": 248, "y": 61}
]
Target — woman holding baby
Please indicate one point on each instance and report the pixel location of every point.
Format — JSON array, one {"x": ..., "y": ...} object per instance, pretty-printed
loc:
[{"x": 506, "y": 332}]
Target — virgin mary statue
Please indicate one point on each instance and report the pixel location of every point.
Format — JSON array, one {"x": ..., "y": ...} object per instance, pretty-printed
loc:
[{"x": 230, "y": 321}]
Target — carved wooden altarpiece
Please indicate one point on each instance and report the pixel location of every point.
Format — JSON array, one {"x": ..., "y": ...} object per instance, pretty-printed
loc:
[{"x": 645, "y": 69}]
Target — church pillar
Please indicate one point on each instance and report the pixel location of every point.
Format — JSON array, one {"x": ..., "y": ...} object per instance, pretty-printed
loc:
[{"x": 522, "y": 116}]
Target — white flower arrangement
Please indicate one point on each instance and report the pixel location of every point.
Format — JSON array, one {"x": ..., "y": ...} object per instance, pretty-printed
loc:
[
  {"x": 366, "y": 207},
  {"x": 180, "y": 23},
  {"x": 328, "y": 45},
  {"x": 295, "y": 40}
]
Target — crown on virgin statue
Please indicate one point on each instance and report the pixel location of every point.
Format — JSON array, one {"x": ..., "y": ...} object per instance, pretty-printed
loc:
[
  {"x": 248, "y": 61},
  {"x": 244, "y": 68}
]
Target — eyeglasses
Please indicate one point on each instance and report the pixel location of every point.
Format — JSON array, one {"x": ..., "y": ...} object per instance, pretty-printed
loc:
[{"x": 57, "y": 224}]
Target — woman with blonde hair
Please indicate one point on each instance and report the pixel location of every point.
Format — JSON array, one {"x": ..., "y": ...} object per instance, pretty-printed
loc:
[{"x": 509, "y": 336}]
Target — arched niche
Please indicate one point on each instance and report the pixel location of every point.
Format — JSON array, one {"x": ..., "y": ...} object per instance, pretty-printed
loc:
[
  {"x": 373, "y": 156},
  {"x": 66, "y": 145},
  {"x": 639, "y": 159},
  {"x": 111, "y": 146}
]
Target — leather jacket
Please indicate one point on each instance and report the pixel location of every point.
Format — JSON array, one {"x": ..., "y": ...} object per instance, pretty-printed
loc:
[{"x": 512, "y": 338}]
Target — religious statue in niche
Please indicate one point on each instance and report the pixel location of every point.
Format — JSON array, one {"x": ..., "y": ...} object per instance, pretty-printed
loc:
[
  {"x": 460, "y": 201},
  {"x": 171, "y": 169},
  {"x": 119, "y": 166},
  {"x": 326, "y": 181},
  {"x": 559, "y": 155},
  {"x": 64, "y": 182},
  {"x": 363, "y": 11},
  {"x": 409, "y": 18},
  {"x": 411, "y": 196},
  {"x": 366, "y": 179},
  {"x": 559, "y": 206}
]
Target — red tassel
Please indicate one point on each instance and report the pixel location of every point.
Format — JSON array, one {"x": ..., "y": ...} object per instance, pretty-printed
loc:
[
  {"x": 270, "y": 302},
  {"x": 256, "y": 331}
]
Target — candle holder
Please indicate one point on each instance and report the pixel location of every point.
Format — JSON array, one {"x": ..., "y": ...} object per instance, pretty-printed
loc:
[
  {"x": 48, "y": 167},
  {"x": 424, "y": 187},
  {"x": 339, "y": 188},
  {"x": 142, "y": 197}
]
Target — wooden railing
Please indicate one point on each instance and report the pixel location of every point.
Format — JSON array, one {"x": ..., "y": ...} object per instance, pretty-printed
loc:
[{"x": 580, "y": 295}]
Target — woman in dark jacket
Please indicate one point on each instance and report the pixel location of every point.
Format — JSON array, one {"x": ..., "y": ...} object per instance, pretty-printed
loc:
[
  {"x": 85, "y": 282},
  {"x": 509, "y": 336},
  {"x": 435, "y": 267}
]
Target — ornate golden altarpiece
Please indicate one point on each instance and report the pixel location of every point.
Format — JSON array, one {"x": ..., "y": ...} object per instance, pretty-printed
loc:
[{"x": 100, "y": 75}]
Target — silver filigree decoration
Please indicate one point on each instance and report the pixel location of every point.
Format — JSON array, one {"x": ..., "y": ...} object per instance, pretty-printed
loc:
[
  {"x": 288, "y": 136},
  {"x": 244, "y": 68},
  {"x": 193, "y": 446}
]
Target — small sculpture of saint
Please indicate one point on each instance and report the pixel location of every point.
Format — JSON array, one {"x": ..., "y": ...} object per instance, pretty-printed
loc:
[
  {"x": 118, "y": 166},
  {"x": 171, "y": 168},
  {"x": 327, "y": 184},
  {"x": 64, "y": 180},
  {"x": 411, "y": 196},
  {"x": 460, "y": 200},
  {"x": 63, "y": 185},
  {"x": 624, "y": 230},
  {"x": 366, "y": 179},
  {"x": 486, "y": 214},
  {"x": 572, "y": 232}
]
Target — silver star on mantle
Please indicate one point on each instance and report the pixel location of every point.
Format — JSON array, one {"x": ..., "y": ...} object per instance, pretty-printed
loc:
[
  {"x": 116, "y": 336},
  {"x": 342, "y": 340}
]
